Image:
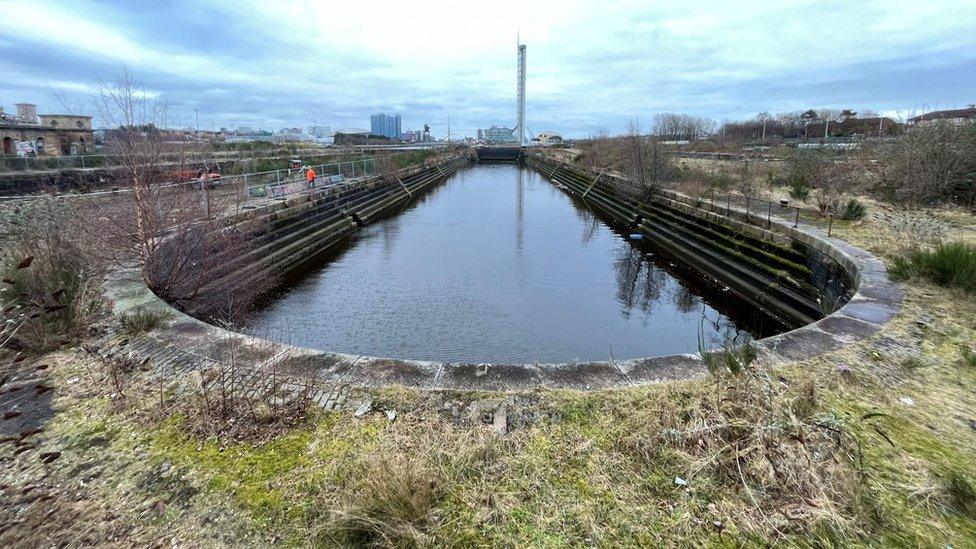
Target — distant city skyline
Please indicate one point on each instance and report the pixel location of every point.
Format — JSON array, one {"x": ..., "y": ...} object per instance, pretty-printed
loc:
[
  {"x": 387, "y": 125},
  {"x": 593, "y": 66}
]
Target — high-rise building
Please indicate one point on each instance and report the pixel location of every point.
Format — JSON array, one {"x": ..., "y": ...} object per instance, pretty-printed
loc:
[
  {"x": 319, "y": 131},
  {"x": 387, "y": 125}
]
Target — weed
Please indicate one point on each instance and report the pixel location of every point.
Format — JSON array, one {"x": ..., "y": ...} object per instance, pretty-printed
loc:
[
  {"x": 960, "y": 493},
  {"x": 143, "y": 320},
  {"x": 969, "y": 357},
  {"x": 392, "y": 506},
  {"x": 51, "y": 299},
  {"x": 951, "y": 265},
  {"x": 732, "y": 359},
  {"x": 912, "y": 229}
]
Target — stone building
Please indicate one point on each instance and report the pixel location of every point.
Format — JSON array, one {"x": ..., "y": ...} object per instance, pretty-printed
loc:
[{"x": 46, "y": 134}]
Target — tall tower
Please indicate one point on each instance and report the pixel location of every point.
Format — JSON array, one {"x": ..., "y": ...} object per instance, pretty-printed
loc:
[{"x": 520, "y": 106}]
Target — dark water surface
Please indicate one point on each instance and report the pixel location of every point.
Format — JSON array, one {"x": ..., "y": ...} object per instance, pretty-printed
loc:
[{"x": 498, "y": 265}]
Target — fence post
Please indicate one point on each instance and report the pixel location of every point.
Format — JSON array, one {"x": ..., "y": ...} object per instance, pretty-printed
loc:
[
  {"x": 796, "y": 221},
  {"x": 747, "y": 209},
  {"x": 728, "y": 205},
  {"x": 830, "y": 224},
  {"x": 769, "y": 211}
]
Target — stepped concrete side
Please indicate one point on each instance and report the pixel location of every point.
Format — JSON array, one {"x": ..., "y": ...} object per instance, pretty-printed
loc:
[
  {"x": 186, "y": 345},
  {"x": 769, "y": 269}
]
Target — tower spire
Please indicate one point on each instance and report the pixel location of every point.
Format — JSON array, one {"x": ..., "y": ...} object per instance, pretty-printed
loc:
[{"x": 520, "y": 92}]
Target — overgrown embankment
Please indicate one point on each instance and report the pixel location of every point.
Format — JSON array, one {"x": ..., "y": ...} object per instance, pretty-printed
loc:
[{"x": 872, "y": 445}]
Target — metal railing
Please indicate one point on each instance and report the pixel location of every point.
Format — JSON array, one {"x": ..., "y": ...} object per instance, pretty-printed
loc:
[
  {"x": 10, "y": 163},
  {"x": 755, "y": 208},
  {"x": 281, "y": 183},
  {"x": 258, "y": 185}
]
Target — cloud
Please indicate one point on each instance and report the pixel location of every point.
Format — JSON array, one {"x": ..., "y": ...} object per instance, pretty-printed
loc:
[{"x": 591, "y": 65}]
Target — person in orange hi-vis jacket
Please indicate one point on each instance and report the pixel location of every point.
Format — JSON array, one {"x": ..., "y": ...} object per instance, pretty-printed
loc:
[{"x": 310, "y": 175}]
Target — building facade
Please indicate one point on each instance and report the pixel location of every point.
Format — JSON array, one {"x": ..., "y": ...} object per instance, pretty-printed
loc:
[
  {"x": 387, "y": 125},
  {"x": 498, "y": 134},
  {"x": 320, "y": 131},
  {"x": 549, "y": 138},
  {"x": 951, "y": 116},
  {"x": 28, "y": 133}
]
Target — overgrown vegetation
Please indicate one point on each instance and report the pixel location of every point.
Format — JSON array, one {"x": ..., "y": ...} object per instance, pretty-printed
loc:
[
  {"x": 142, "y": 320},
  {"x": 871, "y": 445},
  {"x": 933, "y": 162},
  {"x": 952, "y": 264},
  {"x": 51, "y": 289},
  {"x": 639, "y": 157}
]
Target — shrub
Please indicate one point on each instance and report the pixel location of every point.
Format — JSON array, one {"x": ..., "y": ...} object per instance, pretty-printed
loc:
[
  {"x": 854, "y": 210},
  {"x": 913, "y": 229},
  {"x": 799, "y": 190},
  {"x": 951, "y": 265},
  {"x": 51, "y": 289},
  {"x": 933, "y": 162},
  {"x": 722, "y": 181}
]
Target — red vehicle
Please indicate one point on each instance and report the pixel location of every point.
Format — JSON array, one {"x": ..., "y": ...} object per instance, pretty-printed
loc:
[{"x": 211, "y": 175}]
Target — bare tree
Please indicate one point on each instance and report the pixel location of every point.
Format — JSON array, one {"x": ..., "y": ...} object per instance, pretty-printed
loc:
[
  {"x": 830, "y": 181},
  {"x": 595, "y": 152},
  {"x": 934, "y": 162},
  {"x": 671, "y": 125},
  {"x": 644, "y": 163},
  {"x": 186, "y": 238}
]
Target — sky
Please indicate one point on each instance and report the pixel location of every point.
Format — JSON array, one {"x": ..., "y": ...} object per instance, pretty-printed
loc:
[{"x": 592, "y": 66}]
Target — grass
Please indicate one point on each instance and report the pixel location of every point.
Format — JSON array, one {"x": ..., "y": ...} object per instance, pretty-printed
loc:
[
  {"x": 142, "y": 320},
  {"x": 804, "y": 455},
  {"x": 799, "y": 457},
  {"x": 952, "y": 265},
  {"x": 51, "y": 298},
  {"x": 412, "y": 158}
]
